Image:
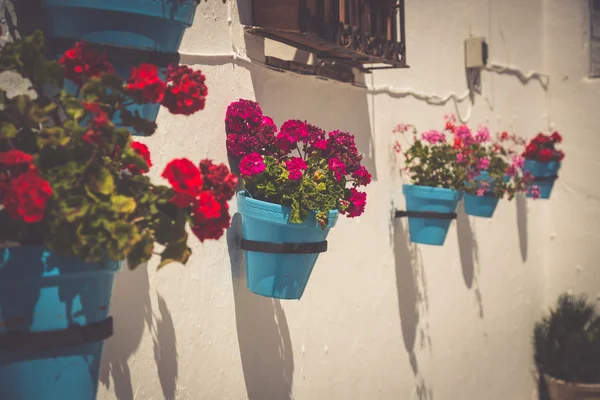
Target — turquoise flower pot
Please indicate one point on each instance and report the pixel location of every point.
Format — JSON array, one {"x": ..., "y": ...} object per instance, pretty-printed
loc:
[
  {"x": 41, "y": 296},
  {"x": 143, "y": 24},
  {"x": 430, "y": 231},
  {"x": 545, "y": 175},
  {"x": 482, "y": 206},
  {"x": 280, "y": 276}
]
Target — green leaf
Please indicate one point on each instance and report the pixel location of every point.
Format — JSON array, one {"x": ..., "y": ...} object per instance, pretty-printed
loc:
[
  {"x": 7, "y": 131},
  {"x": 101, "y": 181},
  {"x": 321, "y": 187},
  {"x": 52, "y": 136},
  {"x": 74, "y": 208},
  {"x": 123, "y": 204},
  {"x": 141, "y": 251},
  {"x": 176, "y": 252}
]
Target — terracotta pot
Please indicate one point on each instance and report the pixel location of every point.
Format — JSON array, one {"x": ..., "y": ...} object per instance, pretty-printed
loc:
[{"x": 561, "y": 390}]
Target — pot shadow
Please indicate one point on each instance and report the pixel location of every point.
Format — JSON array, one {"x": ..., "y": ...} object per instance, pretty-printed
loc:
[
  {"x": 272, "y": 91},
  {"x": 165, "y": 350},
  {"x": 469, "y": 255},
  {"x": 262, "y": 330},
  {"x": 521, "y": 201},
  {"x": 131, "y": 309},
  {"x": 412, "y": 303}
]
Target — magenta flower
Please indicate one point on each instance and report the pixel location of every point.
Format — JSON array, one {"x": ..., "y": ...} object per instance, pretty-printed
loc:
[
  {"x": 433, "y": 137},
  {"x": 473, "y": 173},
  {"x": 483, "y": 135},
  {"x": 295, "y": 166},
  {"x": 356, "y": 203},
  {"x": 361, "y": 176},
  {"x": 518, "y": 162},
  {"x": 252, "y": 164},
  {"x": 535, "y": 192},
  {"x": 295, "y": 130},
  {"x": 483, "y": 163},
  {"x": 337, "y": 167},
  {"x": 460, "y": 158},
  {"x": 464, "y": 134}
]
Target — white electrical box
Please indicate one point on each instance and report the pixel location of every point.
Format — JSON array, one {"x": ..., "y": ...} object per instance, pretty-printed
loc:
[{"x": 476, "y": 52}]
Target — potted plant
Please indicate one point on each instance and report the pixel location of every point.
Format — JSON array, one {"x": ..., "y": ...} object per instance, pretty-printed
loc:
[
  {"x": 495, "y": 169},
  {"x": 129, "y": 32},
  {"x": 543, "y": 161},
  {"x": 296, "y": 185},
  {"x": 434, "y": 166},
  {"x": 567, "y": 349},
  {"x": 74, "y": 204}
]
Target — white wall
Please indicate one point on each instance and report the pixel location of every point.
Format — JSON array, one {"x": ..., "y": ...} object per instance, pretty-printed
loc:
[{"x": 381, "y": 318}]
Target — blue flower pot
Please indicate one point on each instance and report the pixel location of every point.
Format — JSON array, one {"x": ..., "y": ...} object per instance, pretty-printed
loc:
[
  {"x": 144, "y": 24},
  {"x": 280, "y": 276},
  {"x": 482, "y": 206},
  {"x": 40, "y": 293},
  {"x": 424, "y": 198},
  {"x": 545, "y": 175}
]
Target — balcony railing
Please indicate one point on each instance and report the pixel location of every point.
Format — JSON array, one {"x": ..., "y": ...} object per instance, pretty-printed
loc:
[{"x": 364, "y": 33}]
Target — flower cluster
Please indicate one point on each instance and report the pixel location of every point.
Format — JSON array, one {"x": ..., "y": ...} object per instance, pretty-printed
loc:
[
  {"x": 462, "y": 159},
  {"x": 301, "y": 166},
  {"x": 73, "y": 180},
  {"x": 23, "y": 193},
  {"x": 248, "y": 130},
  {"x": 184, "y": 91},
  {"x": 204, "y": 192},
  {"x": 543, "y": 148}
]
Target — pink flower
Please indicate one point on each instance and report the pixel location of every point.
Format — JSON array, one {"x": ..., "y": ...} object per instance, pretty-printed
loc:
[
  {"x": 534, "y": 191},
  {"x": 295, "y": 166},
  {"x": 397, "y": 147},
  {"x": 483, "y": 135},
  {"x": 252, "y": 164},
  {"x": 434, "y": 137},
  {"x": 401, "y": 128},
  {"x": 464, "y": 134},
  {"x": 518, "y": 162},
  {"x": 292, "y": 132},
  {"x": 450, "y": 118},
  {"x": 480, "y": 192},
  {"x": 472, "y": 174},
  {"x": 460, "y": 158},
  {"x": 361, "y": 176},
  {"x": 337, "y": 167},
  {"x": 483, "y": 163},
  {"x": 511, "y": 170},
  {"x": 320, "y": 144},
  {"x": 356, "y": 203}
]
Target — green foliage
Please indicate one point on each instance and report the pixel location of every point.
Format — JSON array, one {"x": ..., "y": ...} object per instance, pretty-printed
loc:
[
  {"x": 435, "y": 166},
  {"x": 317, "y": 191},
  {"x": 567, "y": 341},
  {"x": 98, "y": 208}
]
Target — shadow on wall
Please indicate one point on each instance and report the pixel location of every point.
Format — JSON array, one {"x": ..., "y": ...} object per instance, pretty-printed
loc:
[
  {"x": 263, "y": 334},
  {"x": 330, "y": 107},
  {"x": 469, "y": 255},
  {"x": 131, "y": 309},
  {"x": 521, "y": 201},
  {"x": 412, "y": 302}
]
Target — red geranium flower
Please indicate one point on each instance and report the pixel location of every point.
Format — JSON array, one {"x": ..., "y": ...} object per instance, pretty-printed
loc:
[
  {"x": 560, "y": 155},
  {"x": 545, "y": 155},
  {"x": 15, "y": 157},
  {"x": 530, "y": 150},
  {"x": 142, "y": 150},
  {"x": 26, "y": 197},
  {"x": 81, "y": 62},
  {"x": 146, "y": 81},
  {"x": 186, "y": 92},
  {"x": 556, "y": 137},
  {"x": 185, "y": 178},
  {"x": 207, "y": 206},
  {"x": 541, "y": 138}
]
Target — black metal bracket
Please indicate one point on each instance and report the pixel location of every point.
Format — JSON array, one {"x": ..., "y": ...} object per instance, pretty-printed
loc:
[
  {"x": 425, "y": 214},
  {"x": 136, "y": 55},
  {"x": 545, "y": 178},
  {"x": 45, "y": 340},
  {"x": 284, "y": 248}
]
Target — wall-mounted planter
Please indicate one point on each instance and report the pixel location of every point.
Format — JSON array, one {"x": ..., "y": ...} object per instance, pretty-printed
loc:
[
  {"x": 482, "y": 206},
  {"x": 280, "y": 255},
  {"x": 430, "y": 211},
  {"x": 53, "y": 320},
  {"x": 561, "y": 390},
  {"x": 143, "y": 24},
  {"x": 545, "y": 174}
]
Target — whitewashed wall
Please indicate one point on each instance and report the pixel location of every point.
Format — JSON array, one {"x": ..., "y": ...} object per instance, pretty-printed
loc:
[{"x": 381, "y": 318}]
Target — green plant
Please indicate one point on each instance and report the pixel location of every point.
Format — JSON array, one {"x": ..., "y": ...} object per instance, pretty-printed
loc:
[
  {"x": 72, "y": 179},
  {"x": 567, "y": 341},
  {"x": 314, "y": 179}
]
